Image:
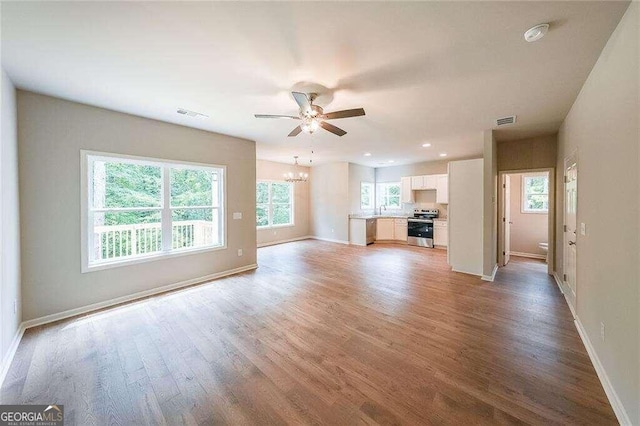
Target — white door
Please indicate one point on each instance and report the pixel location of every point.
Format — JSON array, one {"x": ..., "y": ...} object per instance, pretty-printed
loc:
[
  {"x": 506, "y": 219},
  {"x": 570, "y": 219}
]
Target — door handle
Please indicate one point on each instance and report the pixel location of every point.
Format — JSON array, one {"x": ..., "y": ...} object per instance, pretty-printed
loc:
[{"x": 572, "y": 243}]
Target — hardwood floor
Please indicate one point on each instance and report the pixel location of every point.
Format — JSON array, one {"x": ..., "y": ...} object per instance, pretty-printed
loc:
[{"x": 323, "y": 333}]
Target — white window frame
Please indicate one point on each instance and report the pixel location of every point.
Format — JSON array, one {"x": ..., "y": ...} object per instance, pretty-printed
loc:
[
  {"x": 382, "y": 195},
  {"x": 270, "y": 204},
  {"x": 372, "y": 196},
  {"x": 523, "y": 196},
  {"x": 165, "y": 209}
]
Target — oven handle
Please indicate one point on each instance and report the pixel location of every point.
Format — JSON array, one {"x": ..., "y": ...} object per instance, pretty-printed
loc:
[{"x": 420, "y": 220}]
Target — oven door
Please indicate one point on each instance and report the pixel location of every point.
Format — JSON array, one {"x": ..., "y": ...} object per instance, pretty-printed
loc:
[{"x": 420, "y": 232}]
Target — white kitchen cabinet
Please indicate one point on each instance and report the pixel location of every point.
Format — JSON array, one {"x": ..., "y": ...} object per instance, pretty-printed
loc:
[
  {"x": 400, "y": 229},
  {"x": 424, "y": 182},
  {"x": 440, "y": 233},
  {"x": 384, "y": 229},
  {"x": 430, "y": 182},
  {"x": 406, "y": 193},
  {"x": 442, "y": 189},
  {"x": 416, "y": 182}
]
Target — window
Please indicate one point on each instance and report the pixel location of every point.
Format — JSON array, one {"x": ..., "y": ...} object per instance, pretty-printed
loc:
[
  {"x": 366, "y": 196},
  {"x": 274, "y": 204},
  {"x": 389, "y": 195},
  {"x": 535, "y": 193},
  {"x": 138, "y": 208}
]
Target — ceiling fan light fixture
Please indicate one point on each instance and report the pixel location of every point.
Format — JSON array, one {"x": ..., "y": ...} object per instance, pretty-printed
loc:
[
  {"x": 310, "y": 126},
  {"x": 536, "y": 33}
]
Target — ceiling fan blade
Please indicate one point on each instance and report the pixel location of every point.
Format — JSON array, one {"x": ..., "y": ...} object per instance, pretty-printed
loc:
[
  {"x": 290, "y": 117},
  {"x": 296, "y": 131},
  {"x": 343, "y": 114},
  {"x": 333, "y": 129},
  {"x": 302, "y": 100}
]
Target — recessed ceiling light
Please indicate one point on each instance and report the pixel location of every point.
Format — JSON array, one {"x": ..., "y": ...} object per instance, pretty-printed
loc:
[
  {"x": 443, "y": 154},
  {"x": 392, "y": 161},
  {"x": 426, "y": 145},
  {"x": 367, "y": 154},
  {"x": 536, "y": 33},
  {"x": 189, "y": 113}
]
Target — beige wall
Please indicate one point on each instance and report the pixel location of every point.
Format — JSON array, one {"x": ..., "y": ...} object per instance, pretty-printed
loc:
[
  {"x": 528, "y": 229},
  {"x": 357, "y": 175},
  {"x": 393, "y": 174},
  {"x": 330, "y": 201},
  {"x": 532, "y": 153},
  {"x": 490, "y": 211},
  {"x": 51, "y": 133},
  {"x": 603, "y": 126},
  {"x": 269, "y": 170},
  {"x": 10, "y": 290}
]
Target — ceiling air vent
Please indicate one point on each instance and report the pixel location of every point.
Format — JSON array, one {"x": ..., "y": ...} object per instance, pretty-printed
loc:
[
  {"x": 191, "y": 113},
  {"x": 506, "y": 120}
]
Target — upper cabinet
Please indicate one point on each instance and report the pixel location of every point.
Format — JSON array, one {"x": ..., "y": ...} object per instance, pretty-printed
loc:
[
  {"x": 442, "y": 189},
  {"x": 438, "y": 182},
  {"x": 423, "y": 182},
  {"x": 406, "y": 194}
]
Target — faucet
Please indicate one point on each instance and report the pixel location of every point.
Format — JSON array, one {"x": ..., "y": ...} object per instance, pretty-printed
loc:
[{"x": 380, "y": 207}]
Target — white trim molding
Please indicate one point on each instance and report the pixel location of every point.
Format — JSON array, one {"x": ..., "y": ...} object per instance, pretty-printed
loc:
[
  {"x": 131, "y": 297},
  {"x": 529, "y": 255},
  {"x": 8, "y": 358},
  {"x": 614, "y": 400},
  {"x": 330, "y": 240},
  {"x": 493, "y": 274},
  {"x": 6, "y": 362},
  {"x": 290, "y": 240},
  {"x": 559, "y": 283}
]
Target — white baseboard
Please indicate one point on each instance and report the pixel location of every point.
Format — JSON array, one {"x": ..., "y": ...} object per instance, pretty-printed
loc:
[
  {"x": 290, "y": 240},
  {"x": 559, "y": 283},
  {"x": 614, "y": 400},
  {"x": 6, "y": 361},
  {"x": 493, "y": 274},
  {"x": 139, "y": 295},
  {"x": 329, "y": 240},
  {"x": 466, "y": 272},
  {"x": 529, "y": 255}
]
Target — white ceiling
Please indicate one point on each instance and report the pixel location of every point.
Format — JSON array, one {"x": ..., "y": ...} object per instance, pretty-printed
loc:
[{"x": 437, "y": 72}]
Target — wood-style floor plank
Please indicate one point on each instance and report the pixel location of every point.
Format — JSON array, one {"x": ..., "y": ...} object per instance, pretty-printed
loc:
[{"x": 323, "y": 333}]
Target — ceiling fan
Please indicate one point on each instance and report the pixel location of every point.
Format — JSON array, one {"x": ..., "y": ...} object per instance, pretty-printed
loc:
[{"x": 313, "y": 116}]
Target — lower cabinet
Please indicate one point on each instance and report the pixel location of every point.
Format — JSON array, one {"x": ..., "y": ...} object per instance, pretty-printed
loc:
[
  {"x": 400, "y": 229},
  {"x": 440, "y": 234},
  {"x": 391, "y": 229},
  {"x": 384, "y": 229}
]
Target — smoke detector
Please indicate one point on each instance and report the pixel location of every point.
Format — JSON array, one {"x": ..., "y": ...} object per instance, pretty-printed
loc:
[
  {"x": 536, "y": 33},
  {"x": 505, "y": 120}
]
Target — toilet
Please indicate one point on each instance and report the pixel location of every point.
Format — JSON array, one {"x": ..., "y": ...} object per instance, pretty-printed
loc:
[{"x": 545, "y": 247}]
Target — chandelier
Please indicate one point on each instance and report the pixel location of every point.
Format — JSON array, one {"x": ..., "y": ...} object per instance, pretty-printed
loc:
[{"x": 295, "y": 175}]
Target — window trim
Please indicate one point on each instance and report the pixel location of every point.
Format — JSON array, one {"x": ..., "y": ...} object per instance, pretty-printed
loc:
[
  {"x": 378, "y": 195},
  {"x": 85, "y": 267},
  {"x": 372, "y": 196},
  {"x": 270, "y": 204},
  {"x": 523, "y": 194}
]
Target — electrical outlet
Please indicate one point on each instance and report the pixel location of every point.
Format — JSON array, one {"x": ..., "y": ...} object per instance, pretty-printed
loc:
[
  {"x": 239, "y": 252},
  {"x": 602, "y": 331},
  {"x": 237, "y": 215},
  {"x": 15, "y": 306},
  {"x": 583, "y": 229},
  {"x": 332, "y": 230}
]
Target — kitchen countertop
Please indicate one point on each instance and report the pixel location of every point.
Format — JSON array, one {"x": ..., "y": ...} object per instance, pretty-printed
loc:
[{"x": 376, "y": 216}]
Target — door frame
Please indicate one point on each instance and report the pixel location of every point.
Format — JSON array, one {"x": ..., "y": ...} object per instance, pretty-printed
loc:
[
  {"x": 570, "y": 295},
  {"x": 551, "y": 229}
]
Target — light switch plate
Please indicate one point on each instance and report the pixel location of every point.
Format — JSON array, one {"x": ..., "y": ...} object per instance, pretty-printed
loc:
[
  {"x": 583, "y": 229},
  {"x": 237, "y": 215}
]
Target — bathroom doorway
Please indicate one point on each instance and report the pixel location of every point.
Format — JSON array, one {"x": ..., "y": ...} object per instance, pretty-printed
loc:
[{"x": 526, "y": 216}]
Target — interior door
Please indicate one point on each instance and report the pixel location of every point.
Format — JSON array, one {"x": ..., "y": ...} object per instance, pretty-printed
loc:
[
  {"x": 570, "y": 222},
  {"x": 505, "y": 223}
]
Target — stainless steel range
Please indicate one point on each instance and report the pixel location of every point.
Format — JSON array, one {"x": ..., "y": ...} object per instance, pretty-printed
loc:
[{"x": 420, "y": 227}]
